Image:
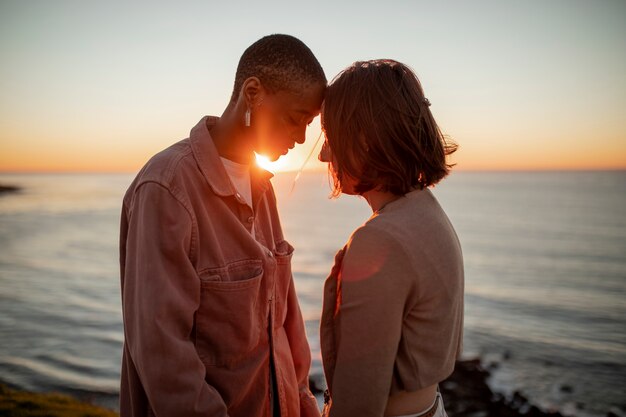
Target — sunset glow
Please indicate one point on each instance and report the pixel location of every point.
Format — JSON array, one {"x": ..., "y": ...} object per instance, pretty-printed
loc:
[
  {"x": 552, "y": 97},
  {"x": 272, "y": 166}
]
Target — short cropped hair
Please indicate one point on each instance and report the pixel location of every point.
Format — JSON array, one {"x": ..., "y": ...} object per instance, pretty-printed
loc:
[
  {"x": 280, "y": 62},
  {"x": 380, "y": 131}
]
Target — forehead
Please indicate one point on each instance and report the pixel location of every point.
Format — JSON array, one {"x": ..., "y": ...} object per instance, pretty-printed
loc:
[{"x": 306, "y": 102}]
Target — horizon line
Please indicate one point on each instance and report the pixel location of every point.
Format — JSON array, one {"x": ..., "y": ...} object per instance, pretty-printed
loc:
[{"x": 293, "y": 171}]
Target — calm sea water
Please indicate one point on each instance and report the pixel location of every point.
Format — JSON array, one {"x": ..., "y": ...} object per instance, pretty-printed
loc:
[{"x": 545, "y": 258}]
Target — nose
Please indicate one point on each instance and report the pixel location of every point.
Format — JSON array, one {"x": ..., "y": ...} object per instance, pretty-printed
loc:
[
  {"x": 300, "y": 137},
  {"x": 324, "y": 155}
]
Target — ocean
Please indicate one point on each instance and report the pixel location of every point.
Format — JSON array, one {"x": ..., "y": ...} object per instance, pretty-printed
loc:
[{"x": 545, "y": 265}]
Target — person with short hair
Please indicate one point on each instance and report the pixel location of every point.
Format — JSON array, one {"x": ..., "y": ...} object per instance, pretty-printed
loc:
[
  {"x": 392, "y": 320},
  {"x": 212, "y": 323}
]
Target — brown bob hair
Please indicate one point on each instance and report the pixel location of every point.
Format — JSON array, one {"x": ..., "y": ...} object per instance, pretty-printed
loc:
[{"x": 380, "y": 131}]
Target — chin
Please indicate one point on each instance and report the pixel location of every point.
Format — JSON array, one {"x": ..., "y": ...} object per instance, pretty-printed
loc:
[{"x": 274, "y": 157}]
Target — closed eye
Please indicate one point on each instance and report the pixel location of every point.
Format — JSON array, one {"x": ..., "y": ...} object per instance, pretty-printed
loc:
[{"x": 292, "y": 121}]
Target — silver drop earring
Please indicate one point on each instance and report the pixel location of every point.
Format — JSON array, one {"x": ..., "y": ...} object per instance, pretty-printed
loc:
[{"x": 247, "y": 118}]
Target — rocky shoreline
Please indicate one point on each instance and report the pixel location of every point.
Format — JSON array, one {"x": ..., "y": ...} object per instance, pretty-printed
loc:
[
  {"x": 466, "y": 394},
  {"x": 9, "y": 189},
  {"x": 18, "y": 403}
]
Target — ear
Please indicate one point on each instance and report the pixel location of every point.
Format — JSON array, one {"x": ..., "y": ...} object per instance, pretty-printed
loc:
[{"x": 252, "y": 91}]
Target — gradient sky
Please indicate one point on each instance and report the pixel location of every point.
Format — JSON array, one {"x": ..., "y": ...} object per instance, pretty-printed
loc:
[{"x": 101, "y": 86}]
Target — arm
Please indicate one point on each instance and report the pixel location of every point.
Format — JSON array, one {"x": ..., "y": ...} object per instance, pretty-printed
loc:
[
  {"x": 372, "y": 296},
  {"x": 161, "y": 293},
  {"x": 301, "y": 353}
]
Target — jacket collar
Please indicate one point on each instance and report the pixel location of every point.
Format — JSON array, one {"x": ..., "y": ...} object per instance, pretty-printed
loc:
[{"x": 211, "y": 165}]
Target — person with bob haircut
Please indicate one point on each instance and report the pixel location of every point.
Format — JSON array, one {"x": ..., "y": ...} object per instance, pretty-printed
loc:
[{"x": 392, "y": 319}]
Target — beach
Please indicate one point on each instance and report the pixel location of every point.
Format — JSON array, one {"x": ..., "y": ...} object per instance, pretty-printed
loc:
[{"x": 545, "y": 284}]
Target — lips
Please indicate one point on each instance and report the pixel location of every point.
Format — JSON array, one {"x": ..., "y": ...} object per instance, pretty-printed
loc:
[{"x": 288, "y": 149}]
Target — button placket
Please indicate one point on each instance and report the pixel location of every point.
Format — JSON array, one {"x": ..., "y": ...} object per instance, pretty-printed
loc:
[
  {"x": 271, "y": 263},
  {"x": 246, "y": 215},
  {"x": 272, "y": 270}
]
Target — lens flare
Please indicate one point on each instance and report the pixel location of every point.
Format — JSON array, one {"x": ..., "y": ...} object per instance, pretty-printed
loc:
[{"x": 272, "y": 166}]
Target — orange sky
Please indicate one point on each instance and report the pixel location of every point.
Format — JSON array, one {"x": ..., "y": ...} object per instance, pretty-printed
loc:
[
  {"x": 518, "y": 86},
  {"x": 504, "y": 154},
  {"x": 481, "y": 150}
]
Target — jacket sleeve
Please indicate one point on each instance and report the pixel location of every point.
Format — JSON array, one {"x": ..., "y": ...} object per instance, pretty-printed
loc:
[
  {"x": 160, "y": 295},
  {"x": 301, "y": 353},
  {"x": 371, "y": 296}
]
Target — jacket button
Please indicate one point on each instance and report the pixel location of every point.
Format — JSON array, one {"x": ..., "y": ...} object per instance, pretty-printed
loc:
[{"x": 250, "y": 219}]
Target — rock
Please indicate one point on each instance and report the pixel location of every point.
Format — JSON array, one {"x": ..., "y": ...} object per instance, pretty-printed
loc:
[
  {"x": 317, "y": 384},
  {"x": 519, "y": 400},
  {"x": 8, "y": 189},
  {"x": 479, "y": 414},
  {"x": 449, "y": 385},
  {"x": 466, "y": 393},
  {"x": 29, "y": 404}
]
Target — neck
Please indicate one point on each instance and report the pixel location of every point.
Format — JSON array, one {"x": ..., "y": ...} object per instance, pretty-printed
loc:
[
  {"x": 232, "y": 139},
  {"x": 379, "y": 199}
]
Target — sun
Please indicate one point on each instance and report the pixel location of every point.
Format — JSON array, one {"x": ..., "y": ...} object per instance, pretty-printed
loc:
[{"x": 276, "y": 166}]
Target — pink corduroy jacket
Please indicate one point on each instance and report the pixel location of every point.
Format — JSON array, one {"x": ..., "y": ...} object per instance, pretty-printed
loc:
[{"x": 205, "y": 303}]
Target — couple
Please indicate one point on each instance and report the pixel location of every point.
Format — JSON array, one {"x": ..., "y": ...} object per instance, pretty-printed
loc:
[{"x": 212, "y": 323}]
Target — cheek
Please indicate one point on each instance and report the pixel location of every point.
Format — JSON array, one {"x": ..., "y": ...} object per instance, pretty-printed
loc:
[
  {"x": 262, "y": 121},
  {"x": 270, "y": 128},
  {"x": 348, "y": 184}
]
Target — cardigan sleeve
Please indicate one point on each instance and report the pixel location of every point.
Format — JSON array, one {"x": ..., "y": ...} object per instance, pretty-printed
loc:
[{"x": 372, "y": 293}]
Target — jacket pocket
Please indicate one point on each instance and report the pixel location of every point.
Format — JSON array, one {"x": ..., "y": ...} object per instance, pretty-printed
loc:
[{"x": 228, "y": 322}]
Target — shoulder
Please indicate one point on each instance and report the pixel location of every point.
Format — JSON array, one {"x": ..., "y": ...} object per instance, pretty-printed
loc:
[
  {"x": 369, "y": 235},
  {"x": 165, "y": 166},
  {"x": 418, "y": 222},
  {"x": 163, "y": 173},
  {"x": 370, "y": 251}
]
